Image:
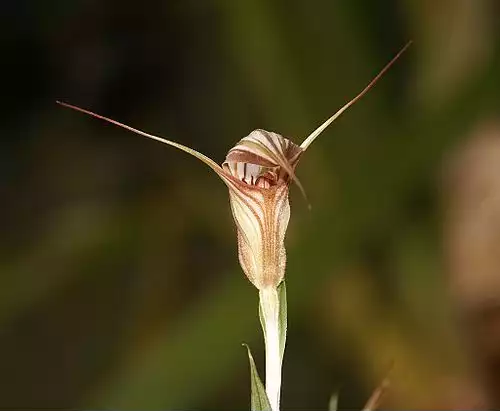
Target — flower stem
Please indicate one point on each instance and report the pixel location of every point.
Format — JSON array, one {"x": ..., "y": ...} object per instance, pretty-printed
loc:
[{"x": 269, "y": 314}]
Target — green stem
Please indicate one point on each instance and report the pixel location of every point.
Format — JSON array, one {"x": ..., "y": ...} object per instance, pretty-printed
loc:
[{"x": 270, "y": 319}]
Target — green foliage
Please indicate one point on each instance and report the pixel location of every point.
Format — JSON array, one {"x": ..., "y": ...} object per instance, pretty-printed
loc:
[{"x": 259, "y": 400}]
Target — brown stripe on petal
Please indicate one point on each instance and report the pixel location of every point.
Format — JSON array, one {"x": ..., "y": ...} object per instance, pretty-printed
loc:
[
  {"x": 280, "y": 157},
  {"x": 287, "y": 152},
  {"x": 245, "y": 155},
  {"x": 293, "y": 153},
  {"x": 249, "y": 218},
  {"x": 264, "y": 147},
  {"x": 251, "y": 173},
  {"x": 263, "y": 164},
  {"x": 261, "y": 218},
  {"x": 253, "y": 205},
  {"x": 253, "y": 198},
  {"x": 265, "y": 142}
]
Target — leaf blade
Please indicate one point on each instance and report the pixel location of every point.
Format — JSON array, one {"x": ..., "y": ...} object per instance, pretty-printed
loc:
[
  {"x": 333, "y": 404},
  {"x": 259, "y": 400}
]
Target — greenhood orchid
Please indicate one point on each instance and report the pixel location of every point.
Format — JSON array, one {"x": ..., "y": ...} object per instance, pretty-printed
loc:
[{"x": 258, "y": 171}]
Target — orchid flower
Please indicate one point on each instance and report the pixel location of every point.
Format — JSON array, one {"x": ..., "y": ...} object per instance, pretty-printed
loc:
[{"x": 258, "y": 171}]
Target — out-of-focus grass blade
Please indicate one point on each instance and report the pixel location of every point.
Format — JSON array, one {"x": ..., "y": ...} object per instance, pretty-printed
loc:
[
  {"x": 334, "y": 402},
  {"x": 155, "y": 376},
  {"x": 376, "y": 398},
  {"x": 75, "y": 235},
  {"x": 259, "y": 400}
]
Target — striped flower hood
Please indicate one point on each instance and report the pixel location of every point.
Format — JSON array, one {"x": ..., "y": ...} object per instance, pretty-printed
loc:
[{"x": 263, "y": 163}]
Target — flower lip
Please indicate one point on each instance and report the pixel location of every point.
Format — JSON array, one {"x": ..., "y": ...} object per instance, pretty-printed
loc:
[
  {"x": 263, "y": 159},
  {"x": 253, "y": 174}
]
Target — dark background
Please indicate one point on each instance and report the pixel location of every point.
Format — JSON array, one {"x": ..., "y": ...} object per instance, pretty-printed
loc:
[{"x": 119, "y": 282}]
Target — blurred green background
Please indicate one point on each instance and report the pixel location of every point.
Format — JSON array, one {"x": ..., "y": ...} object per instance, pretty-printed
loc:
[{"x": 119, "y": 281}]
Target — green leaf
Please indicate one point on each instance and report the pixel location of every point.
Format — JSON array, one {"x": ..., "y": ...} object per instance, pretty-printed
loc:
[
  {"x": 334, "y": 402},
  {"x": 259, "y": 400},
  {"x": 282, "y": 319}
]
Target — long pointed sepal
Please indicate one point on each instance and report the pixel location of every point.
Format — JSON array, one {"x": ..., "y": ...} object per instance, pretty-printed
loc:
[
  {"x": 208, "y": 161},
  {"x": 308, "y": 141}
]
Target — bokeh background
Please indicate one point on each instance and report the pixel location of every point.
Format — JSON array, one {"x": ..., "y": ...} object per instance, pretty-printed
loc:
[{"x": 119, "y": 281}]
